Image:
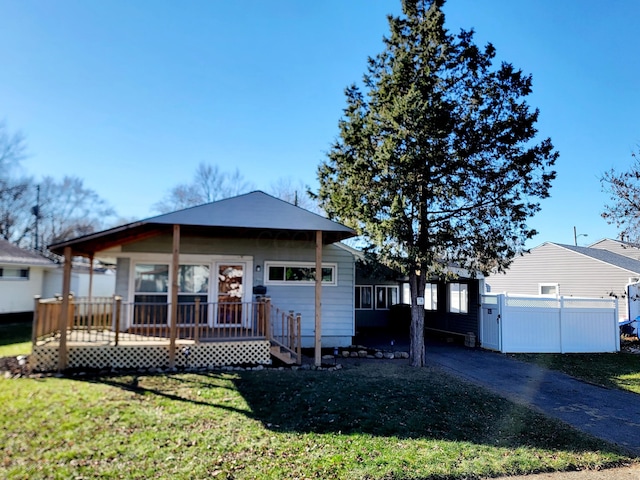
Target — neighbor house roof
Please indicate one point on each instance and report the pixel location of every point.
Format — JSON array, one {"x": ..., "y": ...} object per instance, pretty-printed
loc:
[
  {"x": 248, "y": 215},
  {"x": 606, "y": 256},
  {"x": 11, "y": 254}
]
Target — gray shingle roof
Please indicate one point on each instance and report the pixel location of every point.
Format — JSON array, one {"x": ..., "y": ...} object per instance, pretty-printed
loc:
[
  {"x": 11, "y": 254},
  {"x": 251, "y": 210},
  {"x": 606, "y": 256},
  {"x": 244, "y": 216}
]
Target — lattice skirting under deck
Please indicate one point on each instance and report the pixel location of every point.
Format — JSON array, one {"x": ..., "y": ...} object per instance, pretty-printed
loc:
[{"x": 124, "y": 357}]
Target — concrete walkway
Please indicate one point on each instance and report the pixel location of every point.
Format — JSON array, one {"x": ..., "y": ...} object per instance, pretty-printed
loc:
[{"x": 610, "y": 414}]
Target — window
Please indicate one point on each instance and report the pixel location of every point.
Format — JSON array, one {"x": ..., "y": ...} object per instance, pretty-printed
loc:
[
  {"x": 458, "y": 298},
  {"x": 431, "y": 296},
  {"x": 193, "y": 284},
  {"x": 151, "y": 284},
  {"x": 364, "y": 294},
  {"x": 548, "y": 288},
  {"x": 386, "y": 296},
  {"x": 298, "y": 273},
  {"x": 14, "y": 273}
]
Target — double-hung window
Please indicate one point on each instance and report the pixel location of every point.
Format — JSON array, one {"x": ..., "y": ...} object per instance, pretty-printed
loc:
[
  {"x": 386, "y": 295},
  {"x": 364, "y": 297},
  {"x": 431, "y": 296}
]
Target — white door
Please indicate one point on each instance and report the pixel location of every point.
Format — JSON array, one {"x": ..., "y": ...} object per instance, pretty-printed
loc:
[{"x": 490, "y": 323}]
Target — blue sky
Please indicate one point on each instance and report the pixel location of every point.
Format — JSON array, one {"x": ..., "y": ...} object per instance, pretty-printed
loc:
[{"x": 132, "y": 95}]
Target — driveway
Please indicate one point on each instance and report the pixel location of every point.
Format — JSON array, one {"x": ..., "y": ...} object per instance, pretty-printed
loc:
[{"x": 613, "y": 415}]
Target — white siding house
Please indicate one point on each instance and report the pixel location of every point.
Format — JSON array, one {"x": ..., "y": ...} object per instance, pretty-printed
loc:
[
  {"x": 567, "y": 270},
  {"x": 21, "y": 278}
]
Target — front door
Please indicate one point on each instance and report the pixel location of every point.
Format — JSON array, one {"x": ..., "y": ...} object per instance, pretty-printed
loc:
[{"x": 230, "y": 294}]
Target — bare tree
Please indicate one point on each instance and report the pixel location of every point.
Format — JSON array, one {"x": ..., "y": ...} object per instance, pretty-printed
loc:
[
  {"x": 15, "y": 189},
  {"x": 67, "y": 209},
  {"x": 624, "y": 192},
  {"x": 209, "y": 184},
  {"x": 295, "y": 192}
]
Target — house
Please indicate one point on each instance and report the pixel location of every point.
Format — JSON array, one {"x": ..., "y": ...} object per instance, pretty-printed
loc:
[
  {"x": 382, "y": 297},
  {"x": 598, "y": 271},
  {"x": 22, "y": 275},
  {"x": 228, "y": 282}
]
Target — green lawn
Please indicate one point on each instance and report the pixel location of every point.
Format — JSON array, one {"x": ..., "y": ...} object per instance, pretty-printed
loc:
[
  {"x": 613, "y": 370},
  {"x": 15, "y": 339},
  {"x": 381, "y": 420}
]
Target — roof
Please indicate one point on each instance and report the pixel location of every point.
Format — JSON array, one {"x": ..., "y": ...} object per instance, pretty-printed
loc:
[
  {"x": 606, "y": 256},
  {"x": 247, "y": 216},
  {"x": 11, "y": 254}
]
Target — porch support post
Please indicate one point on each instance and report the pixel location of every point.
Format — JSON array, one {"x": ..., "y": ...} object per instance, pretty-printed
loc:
[
  {"x": 318, "y": 322},
  {"x": 90, "y": 279},
  {"x": 63, "y": 323},
  {"x": 175, "y": 264}
]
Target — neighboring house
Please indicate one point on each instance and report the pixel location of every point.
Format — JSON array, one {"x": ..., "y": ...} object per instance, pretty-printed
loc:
[
  {"x": 598, "y": 271},
  {"x": 21, "y": 278},
  {"x": 101, "y": 282},
  {"x": 220, "y": 259}
]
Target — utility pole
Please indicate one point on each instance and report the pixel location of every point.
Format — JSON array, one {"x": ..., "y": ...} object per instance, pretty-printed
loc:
[{"x": 36, "y": 212}]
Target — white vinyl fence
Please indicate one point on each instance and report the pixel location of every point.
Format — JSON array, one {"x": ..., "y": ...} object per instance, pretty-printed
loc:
[{"x": 542, "y": 324}]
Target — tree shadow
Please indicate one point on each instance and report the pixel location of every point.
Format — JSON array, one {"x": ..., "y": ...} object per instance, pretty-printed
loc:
[{"x": 377, "y": 399}]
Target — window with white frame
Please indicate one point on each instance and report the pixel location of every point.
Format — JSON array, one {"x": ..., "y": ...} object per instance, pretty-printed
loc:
[
  {"x": 431, "y": 296},
  {"x": 548, "y": 289},
  {"x": 386, "y": 295},
  {"x": 363, "y": 297},
  {"x": 458, "y": 298},
  {"x": 298, "y": 273},
  {"x": 13, "y": 273},
  {"x": 151, "y": 289}
]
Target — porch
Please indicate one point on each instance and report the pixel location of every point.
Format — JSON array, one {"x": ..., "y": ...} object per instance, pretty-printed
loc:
[{"x": 109, "y": 333}]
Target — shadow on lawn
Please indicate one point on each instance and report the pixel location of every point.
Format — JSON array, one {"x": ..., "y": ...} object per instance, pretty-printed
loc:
[{"x": 380, "y": 398}]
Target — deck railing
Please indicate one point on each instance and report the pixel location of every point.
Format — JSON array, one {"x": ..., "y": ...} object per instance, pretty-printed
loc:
[{"x": 109, "y": 321}]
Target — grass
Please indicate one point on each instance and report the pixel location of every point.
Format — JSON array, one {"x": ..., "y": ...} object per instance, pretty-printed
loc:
[
  {"x": 15, "y": 339},
  {"x": 612, "y": 370},
  {"x": 381, "y": 420}
]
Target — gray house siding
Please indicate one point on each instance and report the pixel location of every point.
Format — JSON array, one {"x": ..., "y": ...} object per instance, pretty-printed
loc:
[
  {"x": 337, "y": 300},
  {"x": 576, "y": 274}
]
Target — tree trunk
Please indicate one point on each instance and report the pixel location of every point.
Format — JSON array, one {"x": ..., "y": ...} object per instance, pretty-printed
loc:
[{"x": 417, "y": 354}]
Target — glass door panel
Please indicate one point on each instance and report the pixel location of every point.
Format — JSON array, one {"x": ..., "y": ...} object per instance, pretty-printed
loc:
[{"x": 230, "y": 293}]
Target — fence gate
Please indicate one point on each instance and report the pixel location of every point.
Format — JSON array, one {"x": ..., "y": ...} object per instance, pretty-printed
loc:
[
  {"x": 490, "y": 323},
  {"x": 633, "y": 298}
]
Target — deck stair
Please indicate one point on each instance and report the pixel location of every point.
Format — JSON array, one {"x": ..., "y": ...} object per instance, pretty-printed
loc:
[{"x": 284, "y": 354}]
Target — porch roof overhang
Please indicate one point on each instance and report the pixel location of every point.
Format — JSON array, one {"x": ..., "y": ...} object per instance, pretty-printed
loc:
[{"x": 252, "y": 216}]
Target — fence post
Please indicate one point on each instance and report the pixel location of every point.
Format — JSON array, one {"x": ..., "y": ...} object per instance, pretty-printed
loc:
[
  {"x": 36, "y": 313},
  {"x": 560, "y": 320},
  {"x": 116, "y": 316},
  {"x": 267, "y": 318}
]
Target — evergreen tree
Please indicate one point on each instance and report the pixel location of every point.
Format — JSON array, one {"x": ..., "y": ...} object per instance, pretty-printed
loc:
[{"x": 437, "y": 163}]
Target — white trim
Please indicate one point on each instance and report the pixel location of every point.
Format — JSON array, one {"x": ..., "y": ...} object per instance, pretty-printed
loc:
[
  {"x": 386, "y": 287},
  {"x": 372, "y": 297},
  {"x": 308, "y": 283}
]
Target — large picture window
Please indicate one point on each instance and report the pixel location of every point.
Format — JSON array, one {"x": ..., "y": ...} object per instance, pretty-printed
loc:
[
  {"x": 364, "y": 297},
  {"x": 458, "y": 298},
  {"x": 298, "y": 273},
  {"x": 386, "y": 295}
]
